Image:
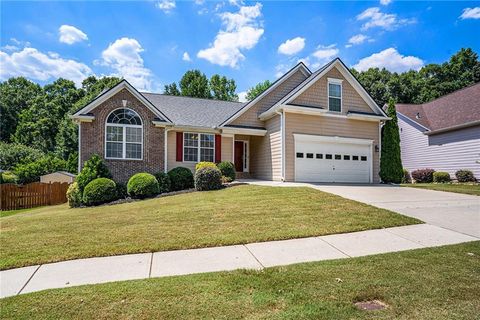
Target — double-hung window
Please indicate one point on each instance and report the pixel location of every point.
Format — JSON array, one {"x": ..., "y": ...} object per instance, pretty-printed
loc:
[
  {"x": 124, "y": 135},
  {"x": 198, "y": 147},
  {"x": 335, "y": 95}
]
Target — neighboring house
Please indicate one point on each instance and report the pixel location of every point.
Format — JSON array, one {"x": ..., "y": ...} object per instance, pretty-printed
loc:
[
  {"x": 320, "y": 126},
  {"x": 443, "y": 134},
  {"x": 58, "y": 176}
]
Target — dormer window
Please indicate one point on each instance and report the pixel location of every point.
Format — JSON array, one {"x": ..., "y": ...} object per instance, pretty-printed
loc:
[{"x": 335, "y": 95}]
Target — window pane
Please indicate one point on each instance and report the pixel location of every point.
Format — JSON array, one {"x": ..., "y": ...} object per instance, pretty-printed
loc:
[
  {"x": 190, "y": 140},
  {"x": 334, "y": 90},
  {"x": 346, "y": 157},
  {"x": 334, "y": 104},
  {"x": 114, "y": 150},
  {"x": 134, "y": 151},
  {"x": 206, "y": 155},
  {"x": 207, "y": 140},
  {"x": 114, "y": 133},
  {"x": 309, "y": 155},
  {"x": 363, "y": 158},
  {"x": 338, "y": 157},
  {"x": 319, "y": 156},
  {"x": 134, "y": 134},
  {"x": 299, "y": 155},
  {"x": 328, "y": 156},
  {"x": 190, "y": 154},
  {"x": 355, "y": 158}
]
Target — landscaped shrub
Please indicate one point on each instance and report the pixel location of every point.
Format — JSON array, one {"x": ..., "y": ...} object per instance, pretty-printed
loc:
[
  {"x": 74, "y": 196},
  {"x": 406, "y": 176},
  {"x": 99, "y": 191},
  {"x": 423, "y": 175},
  {"x": 13, "y": 154},
  {"x": 205, "y": 164},
  {"x": 441, "y": 177},
  {"x": 32, "y": 171},
  {"x": 181, "y": 178},
  {"x": 465, "y": 176},
  {"x": 121, "y": 190},
  {"x": 164, "y": 183},
  {"x": 228, "y": 170},
  {"x": 142, "y": 185},
  {"x": 93, "y": 168},
  {"x": 208, "y": 178}
]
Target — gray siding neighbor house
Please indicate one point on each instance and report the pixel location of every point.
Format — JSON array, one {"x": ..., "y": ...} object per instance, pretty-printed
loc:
[{"x": 443, "y": 134}]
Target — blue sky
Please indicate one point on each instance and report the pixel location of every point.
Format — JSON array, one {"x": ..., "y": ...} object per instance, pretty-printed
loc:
[{"x": 153, "y": 43}]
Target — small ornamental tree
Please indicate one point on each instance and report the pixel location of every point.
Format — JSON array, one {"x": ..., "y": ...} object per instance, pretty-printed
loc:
[{"x": 391, "y": 170}]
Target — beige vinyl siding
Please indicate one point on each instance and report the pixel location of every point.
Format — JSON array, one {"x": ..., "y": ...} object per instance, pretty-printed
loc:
[
  {"x": 227, "y": 148},
  {"x": 250, "y": 117},
  {"x": 327, "y": 126},
  {"x": 317, "y": 94},
  {"x": 266, "y": 152}
]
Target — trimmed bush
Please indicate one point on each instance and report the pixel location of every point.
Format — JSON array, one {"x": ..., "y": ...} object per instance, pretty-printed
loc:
[
  {"x": 441, "y": 177},
  {"x": 423, "y": 175},
  {"x": 465, "y": 176},
  {"x": 121, "y": 190},
  {"x": 208, "y": 178},
  {"x": 406, "y": 176},
  {"x": 74, "y": 196},
  {"x": 204, "y": 164},
  {"x": 181, "y": 178},
  {"x": 93, "y": 168},
  {"x": 142, "y": 185},
  {"x": 164, "y": 183},
  {"x": 32, "y": 171},
  {"x": 99, "y": 191},
  {"x": 228, "y": 170}
]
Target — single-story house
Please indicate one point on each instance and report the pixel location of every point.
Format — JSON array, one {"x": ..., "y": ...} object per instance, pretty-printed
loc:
[
  {"x": 58, "y": 176},
  {"x": 317, "y": 126},
  {"x": 443, "y": 134}
]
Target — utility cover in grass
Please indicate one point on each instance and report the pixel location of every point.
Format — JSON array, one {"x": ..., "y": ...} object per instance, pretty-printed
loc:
[{"x": 370, "y": 305}]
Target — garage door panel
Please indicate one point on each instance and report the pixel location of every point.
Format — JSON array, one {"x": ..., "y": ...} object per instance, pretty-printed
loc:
[{"x": 320, "y": 161}]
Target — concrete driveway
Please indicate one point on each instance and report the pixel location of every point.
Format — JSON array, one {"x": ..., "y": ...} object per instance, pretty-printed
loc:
[{"x": 454, "y": 211}]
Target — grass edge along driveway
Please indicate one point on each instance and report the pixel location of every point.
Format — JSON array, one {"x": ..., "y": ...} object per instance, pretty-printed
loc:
[
  {"x": 464, "y": 188},
  {"x": 432, "y": 283},
  {"x": 236, "y": 215}
]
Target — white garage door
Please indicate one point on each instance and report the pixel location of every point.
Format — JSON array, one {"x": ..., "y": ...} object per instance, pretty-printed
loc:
[{"x": 332, "y": 159}]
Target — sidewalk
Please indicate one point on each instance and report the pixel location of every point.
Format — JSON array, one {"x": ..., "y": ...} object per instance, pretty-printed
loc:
[{"x": 250, "y": 256}]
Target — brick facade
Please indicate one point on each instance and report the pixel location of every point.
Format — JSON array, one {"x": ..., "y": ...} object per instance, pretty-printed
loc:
[{"x": 93, "y": 139}]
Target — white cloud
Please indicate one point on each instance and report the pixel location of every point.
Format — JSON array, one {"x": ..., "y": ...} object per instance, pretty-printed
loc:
[
  {"x": 385, "y": 2},
  {"x": 37, "y": 65},
  {"x": 242, "y": 96},
  {"x": 242, "y": 32},
  {"x": 373, "y": 17},
  {"x": 321, "y": 56},
  {"x": 199, "y": 2},
  {"x": 202, "y": 11},
  {"x": 470, "y": 13},
  {"x": 391, "y": 60},
  {"x": 69, "y": 34},
  {"x": 186, "y": 57},
  {"x": 124, "y": 57},
  {"x": 166, "y": 5},
  {"x": 292, "y": 46},
  {"x": 358, "y": 39}
]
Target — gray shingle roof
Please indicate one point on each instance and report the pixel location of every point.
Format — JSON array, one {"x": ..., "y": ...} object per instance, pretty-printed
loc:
[{"x": 195, "y": 112}]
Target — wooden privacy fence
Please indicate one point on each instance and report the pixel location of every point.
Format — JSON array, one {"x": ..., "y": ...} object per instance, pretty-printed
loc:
[{"x": 31, "y": 195}]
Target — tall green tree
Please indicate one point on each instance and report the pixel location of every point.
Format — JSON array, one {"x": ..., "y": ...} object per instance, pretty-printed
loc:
[
  {"x": 172, "y": 89},
  {"x": 195, "y": 84},
  {"x": 16, "y": 95},
  {"x": 255, "y": 91},
  {"x": 223, "y": 88},
  {"x": 391, "y": 170}
]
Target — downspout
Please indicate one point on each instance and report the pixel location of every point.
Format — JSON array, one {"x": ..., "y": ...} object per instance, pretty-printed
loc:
[
  {"x": 380, "y": 126},
  {"x": 79, "y": 146},
  {"x": 282, "y": 132},
  {"x": 165, "y": 150}
]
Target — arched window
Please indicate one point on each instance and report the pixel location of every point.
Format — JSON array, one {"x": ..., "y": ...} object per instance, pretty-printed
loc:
[{"x": 124, "y": 135}]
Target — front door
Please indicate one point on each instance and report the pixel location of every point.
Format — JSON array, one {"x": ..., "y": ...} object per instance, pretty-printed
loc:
[{"x": 239, "y": 156}]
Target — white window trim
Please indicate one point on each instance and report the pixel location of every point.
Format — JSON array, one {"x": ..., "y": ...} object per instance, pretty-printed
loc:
[
  {"x": 124, "y": 138},
  {"x": 337, "y": 82},
  {"x": 198, "y": 146}
]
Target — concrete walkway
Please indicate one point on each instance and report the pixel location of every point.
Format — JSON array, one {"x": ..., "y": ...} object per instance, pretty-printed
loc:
[
  {"x": 250, "y": 256},
  {"x": 454, "y": 211}
]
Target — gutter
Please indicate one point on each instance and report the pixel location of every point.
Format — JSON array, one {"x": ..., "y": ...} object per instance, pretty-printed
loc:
[
  {"x": 282, "y": 133},
  {"x": 460, "y": 126}
]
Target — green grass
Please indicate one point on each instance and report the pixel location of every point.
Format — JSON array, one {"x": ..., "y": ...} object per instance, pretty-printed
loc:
[
  {"x": 436, "y": 283},
  {"x": 473, "y": 189},
  {"x": 12, "y": 212},
  {"x": 234, "y": 215}
]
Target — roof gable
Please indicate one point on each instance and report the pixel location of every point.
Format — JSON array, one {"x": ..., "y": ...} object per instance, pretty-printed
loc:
[{"x": 124, "y": 84}]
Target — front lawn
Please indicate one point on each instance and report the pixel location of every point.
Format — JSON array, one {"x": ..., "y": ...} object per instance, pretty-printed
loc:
[
  {"x": 437, "y": 283},
  {"x": 473, "y": 189},
  {"x": 234, "y": 215}
]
